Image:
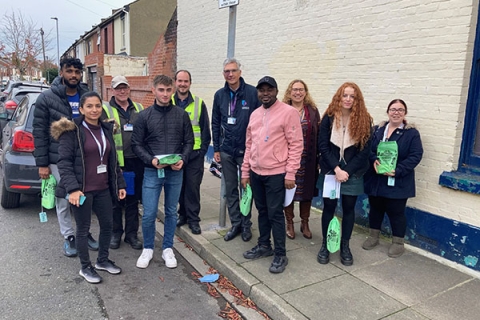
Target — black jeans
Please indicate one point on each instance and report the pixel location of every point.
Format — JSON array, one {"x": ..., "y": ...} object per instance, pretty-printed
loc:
[
  {"x": 269, "y": 195},
  {"x": 348, "y": 219},
  {"x": 130, "y": 203},
  {"x": 99, "y": 202},
  {"x": 189, "y": 202},
  {"x": 395, "y": 209},
  {"x": 230, "y": 166}
]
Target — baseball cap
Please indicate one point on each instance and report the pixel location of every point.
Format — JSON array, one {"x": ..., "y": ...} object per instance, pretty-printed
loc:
[
  {"x": 268, "y": 80},
  {"x": 118, "y": 80}
]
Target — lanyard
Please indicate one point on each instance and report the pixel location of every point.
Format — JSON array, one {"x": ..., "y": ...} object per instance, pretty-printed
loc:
[
  {"x": 385, "y": 133},
  {"x": 101, "y": 150},
  {"x": 233, "y": 103}
]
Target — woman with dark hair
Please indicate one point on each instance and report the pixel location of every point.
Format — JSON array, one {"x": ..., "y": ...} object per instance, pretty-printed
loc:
[
  {"x": 298, "y": 96},
  {"x": 389, "y": 192},
  {"x": 344, "y": 145},
  {"x": 90, "y": 177}
]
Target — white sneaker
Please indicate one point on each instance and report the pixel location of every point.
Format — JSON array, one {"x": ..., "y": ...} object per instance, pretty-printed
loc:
[
  {"x": 144, "y": 260},
  {"x": 169, "y": 258}
]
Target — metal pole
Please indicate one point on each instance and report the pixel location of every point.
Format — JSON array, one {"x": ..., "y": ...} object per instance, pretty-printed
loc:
[
  {"x": 58, "y": 44},
  {"x": 43, "y": 49},
  {"x": 232, "y": 23}
]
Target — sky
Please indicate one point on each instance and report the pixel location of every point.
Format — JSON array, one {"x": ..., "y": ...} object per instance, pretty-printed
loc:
[{"x": 75, "y": 17}]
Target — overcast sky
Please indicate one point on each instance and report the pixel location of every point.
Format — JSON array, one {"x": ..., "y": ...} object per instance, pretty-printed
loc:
[{"x": 74, "y": 17}]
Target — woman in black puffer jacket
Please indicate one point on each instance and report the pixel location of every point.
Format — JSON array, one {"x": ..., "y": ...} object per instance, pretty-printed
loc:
[{"x": 90, "y": 177}]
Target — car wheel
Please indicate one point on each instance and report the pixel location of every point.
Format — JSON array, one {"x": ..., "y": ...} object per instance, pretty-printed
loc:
[{"x": 9, "y": 199}]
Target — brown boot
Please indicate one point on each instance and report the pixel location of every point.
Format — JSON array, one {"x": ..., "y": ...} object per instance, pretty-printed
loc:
[
  {"x": 372, "y": 239},
  {"x": 305, "y": 215},
  {"x": 289, "y": 219},
  {"x": 397, "y": 248}
]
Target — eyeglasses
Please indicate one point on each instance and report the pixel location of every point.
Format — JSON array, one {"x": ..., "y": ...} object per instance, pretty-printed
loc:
[
  {"x": 230, "y": 71},
  {"x": 393, "y": 110},
  {"x": 298, "y": 90},
  {"x": 122, "y": 89}
]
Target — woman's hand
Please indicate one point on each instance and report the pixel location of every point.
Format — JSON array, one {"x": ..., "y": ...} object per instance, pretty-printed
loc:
[
  {"x": 74, "y": 198},
  {"x": 375, "y": 164},
  {"x": 341, "y": 175},
  {"x": 390, "y": 174},
  {"x": 122, "y": 194},
  {"x": 244, "y": 182}
]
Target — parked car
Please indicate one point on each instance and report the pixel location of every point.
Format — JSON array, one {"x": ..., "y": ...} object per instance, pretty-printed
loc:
[
  {"x": 20, "y": 174},
  {"x": 9, "y": 103}
]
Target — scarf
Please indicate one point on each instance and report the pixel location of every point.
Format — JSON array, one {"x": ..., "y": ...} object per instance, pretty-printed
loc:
[{"x": 341, "y": 136}]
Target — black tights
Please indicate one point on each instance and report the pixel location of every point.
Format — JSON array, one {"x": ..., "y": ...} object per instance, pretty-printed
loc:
[
  {"x": 395, "y": 209},
  {"x": 348, "y": 220}
]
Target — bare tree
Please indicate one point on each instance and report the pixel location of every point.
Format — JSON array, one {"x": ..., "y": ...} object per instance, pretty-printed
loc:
[{"x": 21, "y": 41}]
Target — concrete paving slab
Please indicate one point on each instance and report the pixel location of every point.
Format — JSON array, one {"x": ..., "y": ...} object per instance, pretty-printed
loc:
[
  {"x": 343, "y": 297},
  {"x": 459, "y": 302},
  {"x": 273, "y": 305},
  {"x": 406, "y": 314},
  {"x": 303, "y": 270},
  {"x": 411, "y": 278}
]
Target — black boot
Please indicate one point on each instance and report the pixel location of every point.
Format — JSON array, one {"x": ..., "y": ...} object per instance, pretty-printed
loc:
[
  {"x": 323, "y": 256},
  {"x": 345, "y": 255}
]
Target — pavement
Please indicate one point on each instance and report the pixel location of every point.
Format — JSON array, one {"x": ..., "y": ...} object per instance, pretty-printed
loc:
[{"x": 417, "y": 285}]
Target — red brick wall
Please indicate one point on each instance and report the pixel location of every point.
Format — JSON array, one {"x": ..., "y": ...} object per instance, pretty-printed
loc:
[
  {"x": 95, "y": 59},
  {"x": 162, "y": 60},
  {"x": 109, "y": 38}
]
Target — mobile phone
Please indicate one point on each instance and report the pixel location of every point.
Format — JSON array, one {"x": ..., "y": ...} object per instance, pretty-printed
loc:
[{"x": 82, "y": 198}]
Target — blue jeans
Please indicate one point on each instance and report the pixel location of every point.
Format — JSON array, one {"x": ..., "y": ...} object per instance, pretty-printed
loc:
[{"x": 151, "y": 189}]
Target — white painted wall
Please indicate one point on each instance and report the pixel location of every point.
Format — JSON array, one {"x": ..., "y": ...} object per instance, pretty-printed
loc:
[
  {"x": 127, "y": 66},
  {"x": 420, "y": 51}
]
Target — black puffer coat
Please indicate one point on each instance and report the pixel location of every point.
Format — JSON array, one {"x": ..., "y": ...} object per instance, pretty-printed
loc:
[
  {"x": 50, "y": 106},
  {"x": 162, "y": 130},
  {"x": 71, "y": 160}
]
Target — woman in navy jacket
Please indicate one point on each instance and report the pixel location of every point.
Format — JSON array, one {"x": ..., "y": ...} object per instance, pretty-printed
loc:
[{"x": 389, "y": 192}]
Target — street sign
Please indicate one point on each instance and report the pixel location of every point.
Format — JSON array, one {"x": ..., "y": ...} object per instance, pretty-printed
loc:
[{"x": 227, "y": 3}]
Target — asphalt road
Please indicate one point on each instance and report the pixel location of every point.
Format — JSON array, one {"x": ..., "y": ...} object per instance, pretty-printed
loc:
[{"x": 38, "y": 282}]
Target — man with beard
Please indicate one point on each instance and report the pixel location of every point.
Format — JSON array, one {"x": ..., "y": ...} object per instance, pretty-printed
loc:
[
  {"x": 62, "y": 100},
  {"x": 273, "y": 151},
  {"x": 189, "y": 203}
]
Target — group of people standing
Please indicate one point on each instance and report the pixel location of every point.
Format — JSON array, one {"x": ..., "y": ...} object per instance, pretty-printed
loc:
[{"x": 90, "y": 145}]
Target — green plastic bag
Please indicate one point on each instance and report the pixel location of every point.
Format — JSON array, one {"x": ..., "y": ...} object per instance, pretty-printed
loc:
[
  {"x": 387, "y": 154},
  {"x": 48, "y": 192},
  {"x": 246, "y": 201},
  {"x": 333, "y": 235},
  {"x": 169, "y": 159}
]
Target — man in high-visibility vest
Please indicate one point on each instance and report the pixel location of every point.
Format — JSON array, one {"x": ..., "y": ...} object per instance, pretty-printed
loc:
[
  {"x": 123, "y": 111},
  {"x": 189, "y": 209}
]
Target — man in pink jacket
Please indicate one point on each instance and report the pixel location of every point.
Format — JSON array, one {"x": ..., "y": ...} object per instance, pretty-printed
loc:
[{"x": 273, "y": 151}]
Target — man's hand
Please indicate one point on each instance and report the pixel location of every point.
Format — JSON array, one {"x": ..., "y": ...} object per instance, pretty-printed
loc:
[
  {"x": 244, "y": 182},
  {"x": 157, "y": 164},
  {"x": 216, "y": 156},
  {"x": 177, "y": 166},
  {"x": 122, "y": 194},
  {"x": 289, "y": 184},
  {"x": 44, "y": 172}
]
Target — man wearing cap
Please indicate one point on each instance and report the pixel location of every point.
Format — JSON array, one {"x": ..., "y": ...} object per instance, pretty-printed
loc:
[
  {"x": 274, "y": 146},
  {"x": 123, "y": 112},
  {"x": 232, "y": 106},
  {"x": 189, "y": 203}
]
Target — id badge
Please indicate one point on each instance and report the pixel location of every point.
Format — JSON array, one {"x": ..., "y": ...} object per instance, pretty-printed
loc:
[
  {"x": 161, "y": 173},
  {"x": 391, "y": 181},
  {"x": 101, "y": 168},
  {"x": 232, "y": 120},
  {"x": 43, "y": 216},
  {"x": 128, "y": 127}
]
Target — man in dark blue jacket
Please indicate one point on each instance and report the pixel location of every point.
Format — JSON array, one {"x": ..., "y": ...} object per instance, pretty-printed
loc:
[
  {"x": 62, "y": 100},
  {"x": 232, "y": 106}
]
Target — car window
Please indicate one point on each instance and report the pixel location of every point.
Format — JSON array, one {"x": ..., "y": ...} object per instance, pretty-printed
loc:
[
  {"x": 29, "y": 125},
  {"x": 20, "y": 113}
]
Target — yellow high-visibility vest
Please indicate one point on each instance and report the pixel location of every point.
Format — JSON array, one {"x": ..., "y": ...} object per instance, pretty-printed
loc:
[{"x": 194, "y": 110}]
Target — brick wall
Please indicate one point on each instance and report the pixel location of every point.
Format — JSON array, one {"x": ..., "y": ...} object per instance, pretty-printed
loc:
[
  {"x": 415, "y": 50},
  {"x": 162, "y": 60}
]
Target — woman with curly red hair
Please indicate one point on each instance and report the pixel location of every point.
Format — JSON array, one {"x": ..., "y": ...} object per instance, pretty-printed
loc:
[
  {"x": 344, "y": 145},
  {"x": 298, "y": 96}
]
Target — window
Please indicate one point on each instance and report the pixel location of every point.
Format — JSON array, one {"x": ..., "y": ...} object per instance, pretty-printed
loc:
[
  {"x": 467, "y": 177},
  {"x": 122, "y": 23}
]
